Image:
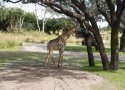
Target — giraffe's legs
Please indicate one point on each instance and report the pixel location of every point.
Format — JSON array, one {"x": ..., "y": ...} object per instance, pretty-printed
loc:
[
  {"x": 60, "y": 58},
  {"x": 52, "y": 58},
  {"x": 49, "y": 54}
]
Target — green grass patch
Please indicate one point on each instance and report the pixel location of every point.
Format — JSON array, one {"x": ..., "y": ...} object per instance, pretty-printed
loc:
[
  {"x": 116, "y": 77},
  {"x": 14, "y": 56},
  {"x": 82, "y": 48},
  {"x": 76, "y": 48}
]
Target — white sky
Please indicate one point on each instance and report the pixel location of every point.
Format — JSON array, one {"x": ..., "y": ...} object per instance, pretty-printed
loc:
[
  {"x": 40, "y": 11},
  {"x": 31, "y": 8}
]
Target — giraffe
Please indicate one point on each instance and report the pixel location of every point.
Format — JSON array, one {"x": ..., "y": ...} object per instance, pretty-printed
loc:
[{"x": 59, "y": 43}]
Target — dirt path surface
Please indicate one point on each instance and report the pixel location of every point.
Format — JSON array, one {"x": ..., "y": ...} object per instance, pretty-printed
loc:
[
  {"x": 42, "y": 48},
  {"x": 34, "y": 76}
]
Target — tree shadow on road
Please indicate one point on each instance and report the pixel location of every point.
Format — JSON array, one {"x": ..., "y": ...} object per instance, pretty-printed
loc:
[{"x": 28, "y": 67}]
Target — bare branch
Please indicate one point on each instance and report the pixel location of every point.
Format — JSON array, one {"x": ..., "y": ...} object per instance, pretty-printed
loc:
[
  {"x": 55, "y": 9},
  {"x": 13, "y": 1},
  {"x": 118, "y": 2},
  {"x": 111, "y": 7},
  {"x": 120, "y": 10},
  {"x": 62, "y": 9},
  {"x": 103, "y": 12},
  {"x": 76, "y": 9},
  {"x": 88, "y": 16}
]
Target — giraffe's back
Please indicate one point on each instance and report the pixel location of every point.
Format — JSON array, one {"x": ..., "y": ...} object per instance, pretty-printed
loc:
[{"x": 56, "y": 44}]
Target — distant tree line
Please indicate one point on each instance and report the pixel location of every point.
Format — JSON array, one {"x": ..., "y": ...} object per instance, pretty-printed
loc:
[{"x": 16, "y": 19}]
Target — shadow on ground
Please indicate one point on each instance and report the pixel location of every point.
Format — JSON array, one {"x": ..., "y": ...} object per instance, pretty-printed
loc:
[{"x": 27, "y": 67}]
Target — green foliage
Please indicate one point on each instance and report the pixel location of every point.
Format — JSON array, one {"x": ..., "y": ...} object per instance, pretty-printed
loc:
[
  {"x": 55, "y": 25},
  {"x": 29, "y": 17},
  {"x": 10, "y": 18},
  {"x": 52, "y": 26},
  {"x": 116, "y": 77}
]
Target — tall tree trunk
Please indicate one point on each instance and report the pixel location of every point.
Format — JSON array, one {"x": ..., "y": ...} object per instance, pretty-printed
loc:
[
  {"x": 21, "y": 22},
  {"x": 37, "y": 20},
  {"x": 38, "y": 23},
  {"x": 114, "y": 48},
  {"x": 43, "y": 28},
  {"x": 122, "y": 42},
  {"x": 104, "y": 58},
  {"x": 89, "y": 50}
]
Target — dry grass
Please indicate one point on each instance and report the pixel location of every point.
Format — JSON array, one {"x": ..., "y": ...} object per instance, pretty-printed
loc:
[{"x": 9, "y": 40}]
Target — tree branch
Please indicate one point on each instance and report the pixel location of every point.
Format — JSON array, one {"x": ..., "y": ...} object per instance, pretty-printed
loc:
[
  {"x": 55, "y": 9},
  {"x": 118, "y": 3},
  {"x": 62, "y": 9},
  {"x": 76, "y": 9},
  {"x": 13, "y": 1},
  {"x": 88, "y": 16},
  {"x": 111, "y": 7},
  {"x": 103, "y": 12},
  {"x": 120, "y": 10}
]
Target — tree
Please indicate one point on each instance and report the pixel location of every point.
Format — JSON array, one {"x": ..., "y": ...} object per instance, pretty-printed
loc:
[
  {"x": 29, "y": 21},
  {"x": 56, "y": 25},
  {"x": 10, "y": 18},
  {"x": 37, "y": 20},
  {"x": 112, "y": 10},
  {"x": 122, "y": 39},
  {"x": 88, "y": 42},
  {"x": 46, "y": 10}
]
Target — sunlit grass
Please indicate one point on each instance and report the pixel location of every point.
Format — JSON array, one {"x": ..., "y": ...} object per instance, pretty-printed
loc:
[
  {"x": 82, "y": 48},
  {"x": 116, "y": 77},
  {"x": 11, "y": 40},
  {"x": 12, "y": 56}
]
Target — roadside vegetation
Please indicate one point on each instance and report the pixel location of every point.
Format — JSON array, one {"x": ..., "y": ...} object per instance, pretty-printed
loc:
[{"x": 12, "y": 40}]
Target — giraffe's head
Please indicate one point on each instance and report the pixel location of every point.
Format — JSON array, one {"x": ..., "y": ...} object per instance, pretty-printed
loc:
[
  {"x": 67, "y": 34},
  {"x": 72, "y": 30}
]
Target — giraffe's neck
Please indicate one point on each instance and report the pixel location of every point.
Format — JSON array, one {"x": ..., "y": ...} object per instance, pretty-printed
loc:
[{"x": 67, "y": 34}]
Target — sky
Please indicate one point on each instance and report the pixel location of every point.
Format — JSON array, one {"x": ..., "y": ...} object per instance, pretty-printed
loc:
[
  {"x": 32, "y": 8},
  {"x": 40, "y": 11}
]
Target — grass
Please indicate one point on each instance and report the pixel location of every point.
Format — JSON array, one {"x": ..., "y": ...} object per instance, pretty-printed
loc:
[
  {"x": 80, "y": 48},
  {"x": 115, "y": 77},
  {"x": 11, "y": 40},
  {"x": 12, "y": 56},
  {"x": 112, "y": 77}
]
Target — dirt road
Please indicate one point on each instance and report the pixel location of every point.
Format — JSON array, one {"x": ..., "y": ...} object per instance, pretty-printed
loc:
[{"x": 20, "y": 76}]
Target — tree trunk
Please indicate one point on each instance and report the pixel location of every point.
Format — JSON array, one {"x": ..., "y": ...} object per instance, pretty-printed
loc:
[
  {"x": 38, "y": 23},
  {"x": 21, "y": 22},
  {"x": 104, "y": 58},
  {"x": 43, "y": 28},
  {"x": 114, "y": 49},
  {"x": 37, "y": 20},
  {"x": 89, "y": 50},
  {"x": 122, "y": 42}
]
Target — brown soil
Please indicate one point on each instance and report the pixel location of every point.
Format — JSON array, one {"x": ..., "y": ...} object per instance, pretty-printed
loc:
[{"x": 18, "y": 76}]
